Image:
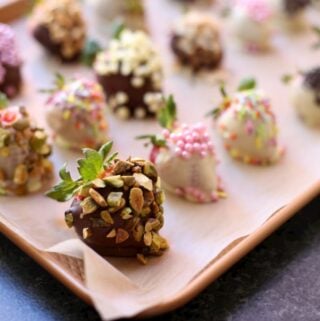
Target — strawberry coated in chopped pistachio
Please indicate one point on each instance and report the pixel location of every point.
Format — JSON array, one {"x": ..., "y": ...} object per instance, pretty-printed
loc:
[
  {"x": 117, "y": 206},
  {"x": 24, "y": 152}
]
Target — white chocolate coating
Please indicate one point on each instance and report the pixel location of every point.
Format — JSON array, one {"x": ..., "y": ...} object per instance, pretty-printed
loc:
[
  {"x": 304, "y": 101},
  {"x": 195, "y": 173},
  {"x": 249, "y": 129},
  {"x": 284, "y": 20},
  {"x": 252, "y": 33},
  {"x": 76, "y": 115},
  {"x": 187, "y": 165}
]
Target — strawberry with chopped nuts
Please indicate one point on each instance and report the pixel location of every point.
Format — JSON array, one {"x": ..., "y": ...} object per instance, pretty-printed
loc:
[{"x": 117, "y": 206}]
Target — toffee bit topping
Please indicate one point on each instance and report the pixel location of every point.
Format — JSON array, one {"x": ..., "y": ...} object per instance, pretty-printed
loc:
[
  {"x": 197, "y": 31},
  {"x": 65, "y": 23}
]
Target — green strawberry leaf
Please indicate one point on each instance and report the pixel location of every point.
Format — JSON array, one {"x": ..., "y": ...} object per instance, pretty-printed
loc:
[
  {"x": 64, "y": 174},
  {"x": 105, "y": 149},
  {"x": 91, "y": 165},
  {"x": 168, "y": 114},
  {"x": 247, "y": 84},
  {"x": 63, "y": 191},
  {"x": 3, "y": 100},
  {"x": 90, "y": 50},
  {"x": 155, "y": 140},
  {"x": 89, "y": 168},
  {"x": 287, "y": 78},
  {"x": 118, "y": 27}
]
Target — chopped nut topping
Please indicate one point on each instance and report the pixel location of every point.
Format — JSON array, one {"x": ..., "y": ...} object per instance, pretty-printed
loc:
[
  {"x": 112, "y": 234},
  {"x": 114, "y": 181},
  {"x": 97, "y": 197},
  {"x": 114, "y": 199},
  {"x": 143, "y": 181},
  {"x": 122, "y": 235},
  {"x": 88, "y": 206},
  {"x": 105, "y": 215},
  {"x": 138, "y": 232},
  {"x": 136, "y": 199},
  {"x": 69, "y": 219},
  {"x": 121, "y": 167},
  {"x": 86, "y": 233},
  {"x": 141, "y": 258},
  {"x": 147, "y": 238}
]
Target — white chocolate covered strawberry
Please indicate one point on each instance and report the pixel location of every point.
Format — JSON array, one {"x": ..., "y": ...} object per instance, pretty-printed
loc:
[
  {"x": 248, "y": 126},
  {"x": 185, "y": 159}
]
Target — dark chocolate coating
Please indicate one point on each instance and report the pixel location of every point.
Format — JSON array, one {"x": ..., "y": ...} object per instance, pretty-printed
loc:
[
  {"x": 200, "y": 59},
  {"x": 12, "y": 81},
  {"x": 98, "y": 241},
  {"x": 115, "y": 83},
  {"x": 99, "y": 230},
  {"x": 42, "y": 35},
  {"x": 294, "y": 6},
  {"x": 312, "y": 81}
]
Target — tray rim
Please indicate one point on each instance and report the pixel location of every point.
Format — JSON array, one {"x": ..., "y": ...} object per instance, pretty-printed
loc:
[{"x": 225, "y": 260}]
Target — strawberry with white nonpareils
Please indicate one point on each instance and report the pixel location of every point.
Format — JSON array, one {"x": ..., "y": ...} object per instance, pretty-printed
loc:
[{"x": 184, "y": 157}]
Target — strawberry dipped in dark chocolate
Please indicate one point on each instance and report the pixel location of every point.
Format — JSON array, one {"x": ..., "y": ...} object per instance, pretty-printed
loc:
[
  {"x": 130, "y": 72},
  {"x": 60, "y": 28},
  {"x": 117, "y": 204}
]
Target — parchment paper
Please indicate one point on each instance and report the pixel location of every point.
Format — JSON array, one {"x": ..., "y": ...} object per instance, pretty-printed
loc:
[{"x": 197, "y": 233}]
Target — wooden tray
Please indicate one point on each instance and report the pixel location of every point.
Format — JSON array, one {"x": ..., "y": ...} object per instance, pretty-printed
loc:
[
  {"x": 12, "y": 9},
  {"x": 69, "y": 271}
]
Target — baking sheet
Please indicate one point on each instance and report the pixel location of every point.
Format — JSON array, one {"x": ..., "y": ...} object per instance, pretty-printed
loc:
[{"x": 197, "y": 233}]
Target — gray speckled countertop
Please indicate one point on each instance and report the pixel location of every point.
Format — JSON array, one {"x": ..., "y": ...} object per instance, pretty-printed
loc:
[{"x": 279, "y": 280}]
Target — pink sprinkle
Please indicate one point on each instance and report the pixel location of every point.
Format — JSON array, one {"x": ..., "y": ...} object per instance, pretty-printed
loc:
[
  {"x": 203, "y": 153},
  {"x": 214, "y": 197},
  {"x": 185, "y": 154},
  {"x": 249, "y": 127},
  {"x": 166, "y": 133},
  {"x": 188, "y": 147},
  {"x": 189, "y": 139},
  {"x": 180, "y": 144},
  {"x": 177, "y": 151}
]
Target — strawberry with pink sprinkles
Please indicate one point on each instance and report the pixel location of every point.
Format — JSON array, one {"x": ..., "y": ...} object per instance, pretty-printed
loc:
[
  {"x": 185, "y": 158},
  {"x": 10, "y": 62}
]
